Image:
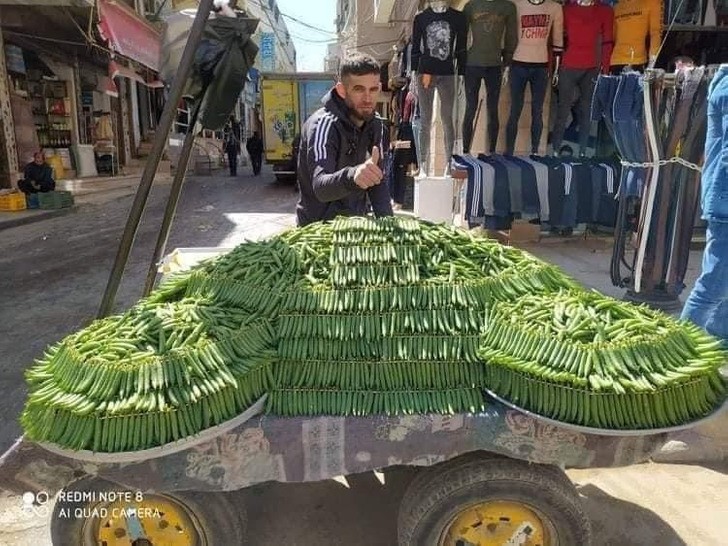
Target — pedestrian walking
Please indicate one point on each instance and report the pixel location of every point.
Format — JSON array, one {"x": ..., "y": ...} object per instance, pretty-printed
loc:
[
  {"x": 254, "y": 145},
  {"x": 232, "y": 148},
  {"x": 707, "y": 305}
]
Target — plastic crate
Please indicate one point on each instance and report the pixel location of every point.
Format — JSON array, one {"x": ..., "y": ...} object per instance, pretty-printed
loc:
[
  {"x": 31, "y": 201},
  {"x": 55, "y": 200},
  {"x": 12, "y": 201}
]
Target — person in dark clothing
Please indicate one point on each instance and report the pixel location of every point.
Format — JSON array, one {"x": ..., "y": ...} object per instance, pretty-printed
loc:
[
  {"x": 232, "y": 148},
  {"x": 339, "y": 164},
  {"x": 254, "y": 145},
  {"x": 37, "y": 176}
]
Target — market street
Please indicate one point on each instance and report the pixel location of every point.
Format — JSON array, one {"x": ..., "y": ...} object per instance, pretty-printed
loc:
[{"x": 54, "y": 275}]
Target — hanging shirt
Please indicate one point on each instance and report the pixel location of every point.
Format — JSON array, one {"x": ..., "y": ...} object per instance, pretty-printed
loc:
[
  {"x": 634, "y": 21},
  {"x": 586, "y": 27},
  {"x": 542, "y": 185},
  {"x": 439, "y": 40},
  {"x": 535, "y": 24},
  {"x": 493, "y": 25},
  {"x": 529, "y": 188}
]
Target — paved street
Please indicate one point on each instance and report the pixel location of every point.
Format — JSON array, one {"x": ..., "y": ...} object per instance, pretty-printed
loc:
[{"x": 54, "y": 274}]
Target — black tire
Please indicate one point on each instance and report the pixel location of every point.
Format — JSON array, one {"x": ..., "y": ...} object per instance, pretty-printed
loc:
[
  {"x": 438, "y": 494},
  {"x": 214, "y": 518}
]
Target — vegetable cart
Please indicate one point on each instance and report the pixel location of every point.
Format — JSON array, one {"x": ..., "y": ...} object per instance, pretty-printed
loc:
[{"x": 493, "y": 478}]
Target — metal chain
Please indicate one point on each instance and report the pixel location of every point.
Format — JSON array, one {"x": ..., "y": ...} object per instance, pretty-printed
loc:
[{"x": 663, "y": 162}]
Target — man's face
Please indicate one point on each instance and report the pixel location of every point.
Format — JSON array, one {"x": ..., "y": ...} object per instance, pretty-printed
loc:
[
  {"x": 38, "y": 159},
  {"x": 360, "y": 94}
]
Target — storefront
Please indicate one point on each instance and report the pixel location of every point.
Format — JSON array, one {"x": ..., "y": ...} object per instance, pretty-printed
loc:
[{"x": 90, "y": 102}]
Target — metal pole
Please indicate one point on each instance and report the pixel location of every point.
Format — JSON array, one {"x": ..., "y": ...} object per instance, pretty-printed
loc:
[
  {"x": 173, "y": 199},
  {"x": 150, "y": 168}
]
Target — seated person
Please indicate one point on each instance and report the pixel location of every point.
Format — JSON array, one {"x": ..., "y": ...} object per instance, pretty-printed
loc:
[{"x": 38, "y": 176}]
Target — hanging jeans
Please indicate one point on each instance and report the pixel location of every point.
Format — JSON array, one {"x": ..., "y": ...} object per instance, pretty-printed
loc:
[
  {"x": 445, "y": 86},
  {"x": 707, "y": 305},
  {"x": 571, "y": 80},
  {"x": 521, "y": 75},
  {"x": 474, "y": 75}
]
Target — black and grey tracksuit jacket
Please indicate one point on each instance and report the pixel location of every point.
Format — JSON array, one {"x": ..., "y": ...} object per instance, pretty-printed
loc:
[{"x": 331, "y": 148}]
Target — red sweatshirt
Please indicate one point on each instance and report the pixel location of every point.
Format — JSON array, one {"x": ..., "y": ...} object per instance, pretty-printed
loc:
[{"x": 586, "y": 27}]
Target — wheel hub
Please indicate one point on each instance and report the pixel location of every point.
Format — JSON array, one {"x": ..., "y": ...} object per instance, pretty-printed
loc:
[
  {"x": 496, "y": 523},
  {"x": 153, "y": 521}
]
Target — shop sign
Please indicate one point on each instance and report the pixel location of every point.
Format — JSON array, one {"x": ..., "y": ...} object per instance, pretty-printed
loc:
[
  {"x": 14, "y": 59},
  {"x": 267, "y": 51},
  {"x": 128, "y": 34}
]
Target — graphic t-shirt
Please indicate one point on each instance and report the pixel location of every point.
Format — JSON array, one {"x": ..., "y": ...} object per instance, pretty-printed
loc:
[
  {"x": 586, "y": 27},
  {"x": 634, "y": 20},
  {"x": 438, "y": 40},
  {"x": 494, "y": 28},
  {"x": 535, "y": 24}
]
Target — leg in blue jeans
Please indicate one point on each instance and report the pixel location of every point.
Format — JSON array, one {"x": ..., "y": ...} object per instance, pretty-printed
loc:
[
  {"x": 472, "y": 92},
  {"x": 493, "y": 80},
  {"x": 519, "y": 76},
  {"x": 539, "y": 85},
  {"x": 707, "y": 305}
]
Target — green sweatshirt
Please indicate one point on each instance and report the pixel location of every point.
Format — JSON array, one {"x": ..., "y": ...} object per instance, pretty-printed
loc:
[{"x": 488, "y": 21}]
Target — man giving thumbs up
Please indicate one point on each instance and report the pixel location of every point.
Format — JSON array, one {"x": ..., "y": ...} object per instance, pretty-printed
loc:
[{"x": 334, "y": 174}]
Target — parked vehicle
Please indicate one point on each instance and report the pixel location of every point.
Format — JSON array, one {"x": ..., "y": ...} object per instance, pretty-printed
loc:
[{"x": 287, "y": 101}]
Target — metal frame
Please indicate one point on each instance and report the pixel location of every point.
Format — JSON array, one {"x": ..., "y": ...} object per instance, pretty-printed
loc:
[{"x": 150, "y": 168}]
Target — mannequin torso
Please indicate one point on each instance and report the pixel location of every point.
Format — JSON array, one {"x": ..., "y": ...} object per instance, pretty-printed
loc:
[
  {"x": 583, "y": 27},
  {"x": 491, "y": 23},
  {"x": 634, "y": 21},
  {"x": 438, "y": 42},
  {"x": 536, "y": 22}
]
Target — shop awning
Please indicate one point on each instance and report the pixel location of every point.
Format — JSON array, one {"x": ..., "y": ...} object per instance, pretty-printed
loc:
[
  {"x": 128, "y": 34},
  {"x": 117, "y": 70}
]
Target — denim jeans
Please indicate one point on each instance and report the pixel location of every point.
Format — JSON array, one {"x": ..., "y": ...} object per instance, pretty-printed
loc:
[
  {"x": 538, "y": 78},
  {"x": 707, "y": 305},
  {"x": 474, "y": 76},
  {"x": 445, "y": 86}
]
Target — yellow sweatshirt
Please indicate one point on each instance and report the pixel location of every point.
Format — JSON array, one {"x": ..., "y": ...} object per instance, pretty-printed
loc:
[{"x": 633, "y": 21}]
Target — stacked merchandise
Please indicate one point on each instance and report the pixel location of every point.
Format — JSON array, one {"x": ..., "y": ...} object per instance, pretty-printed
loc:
[
  {"x": 560, "y": 192},
  {"x": 658, "y": 123},
  {"x": 365, "y": 317}
]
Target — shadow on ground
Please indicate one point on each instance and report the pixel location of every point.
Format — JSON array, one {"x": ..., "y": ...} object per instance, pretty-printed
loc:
[{"x": 616, "y": 522}]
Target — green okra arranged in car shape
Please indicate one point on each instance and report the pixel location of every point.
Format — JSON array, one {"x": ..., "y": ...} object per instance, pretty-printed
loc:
[
  {"x": 590, "y": 360},
  {"x": 357, "y": 317}
]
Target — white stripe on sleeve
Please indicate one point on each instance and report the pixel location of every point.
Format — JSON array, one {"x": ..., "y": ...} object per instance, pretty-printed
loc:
[{"x": 321, "y": 136}]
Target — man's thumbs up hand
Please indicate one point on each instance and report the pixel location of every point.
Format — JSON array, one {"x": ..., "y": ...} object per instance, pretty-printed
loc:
[
  {"x": 375, "y": 155},
  {"x": 369, "y": 174}
]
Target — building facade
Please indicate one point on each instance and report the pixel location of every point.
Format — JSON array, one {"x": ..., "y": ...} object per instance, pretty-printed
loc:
[{"x": 77, "y": 80}]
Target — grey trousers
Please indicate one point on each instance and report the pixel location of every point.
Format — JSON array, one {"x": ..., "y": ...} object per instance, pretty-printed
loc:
[
  {"x": 445, "y": 86},
  {"x": 571, "y": 79}
]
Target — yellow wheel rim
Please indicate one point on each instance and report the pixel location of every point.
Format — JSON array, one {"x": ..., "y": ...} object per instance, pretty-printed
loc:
[
  {"x": 154, "y": 520},
  {"x": 497, "y": 523}
]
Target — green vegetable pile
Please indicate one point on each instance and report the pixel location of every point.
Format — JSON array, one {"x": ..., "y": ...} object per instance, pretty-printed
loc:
[
  {"x": 583, "y": 358},
  {"x": 362, "y": 316}
]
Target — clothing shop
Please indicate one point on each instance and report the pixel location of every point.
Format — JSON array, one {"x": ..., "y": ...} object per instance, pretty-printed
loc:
[
  {"x": 88, "y": 102},
  {"x": 499, "y": 94}
]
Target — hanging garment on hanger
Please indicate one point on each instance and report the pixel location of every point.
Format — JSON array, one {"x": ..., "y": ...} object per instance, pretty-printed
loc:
[
  {"x": 515, "y": 182},
  {"x": 529, "y": 188},
  {"x": 479, "y": 188},
  {"x": 542, "y": 185},
  {"x": 501, "y": 189}
]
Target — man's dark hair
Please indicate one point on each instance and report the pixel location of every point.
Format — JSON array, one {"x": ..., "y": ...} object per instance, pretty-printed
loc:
[{"x": 358, "y": 64}]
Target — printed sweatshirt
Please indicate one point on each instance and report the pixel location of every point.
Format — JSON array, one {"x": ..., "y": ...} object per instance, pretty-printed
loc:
[
  {"x": 535, "y": 24},
  {"x": 438, "y": 41},
  {"x": 634, "y": 20},
  {"x": 493, "y": 25},
  {"x": 586, "y": 27}
]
